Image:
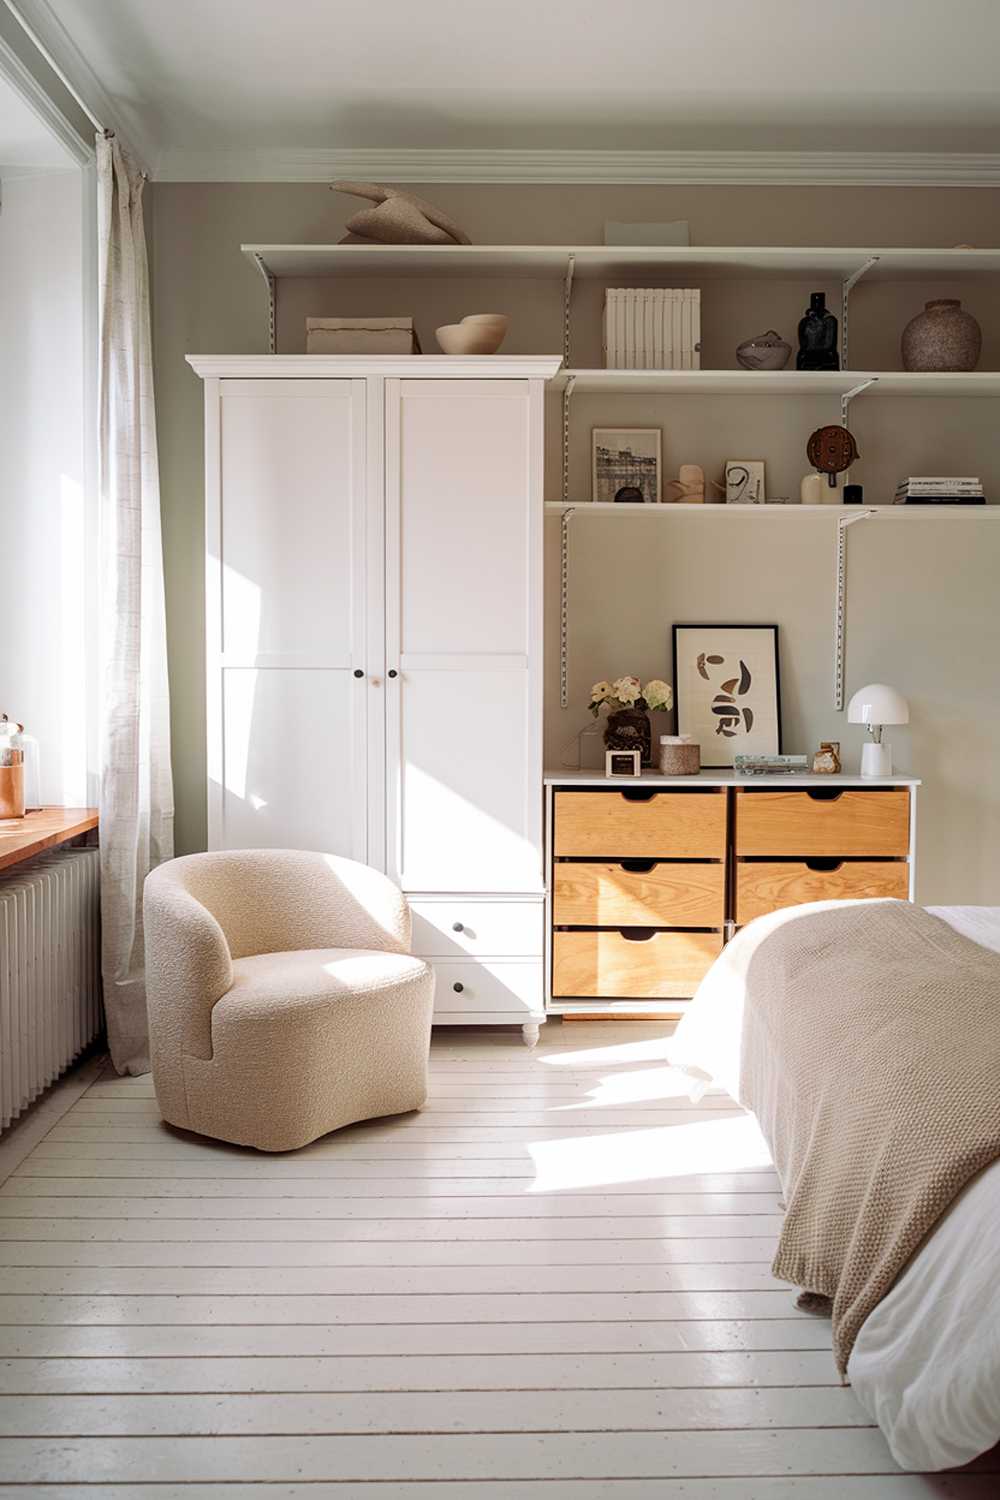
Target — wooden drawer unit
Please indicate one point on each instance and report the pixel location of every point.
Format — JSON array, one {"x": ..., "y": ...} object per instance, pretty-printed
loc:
[
  {"x": 638, "y": 893},
  {"x": 800, "y": 825},
  {"x": 635, "y": 823},
  {"x": 763, "y": 887},
  {"x": 613, "y": 965}
]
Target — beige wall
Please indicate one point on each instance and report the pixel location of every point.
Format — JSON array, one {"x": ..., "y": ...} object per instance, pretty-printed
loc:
[{"x": 923, "y": 611}]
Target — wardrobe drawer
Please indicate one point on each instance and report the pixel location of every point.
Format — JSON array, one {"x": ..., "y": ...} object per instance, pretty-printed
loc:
[
  {"x": 796, "y": 824},
  {"x": 490, "y": 929},
  {"x": 505, "y": 989},
  {"x": 614, "y": 966},
  {"x": 652, "y": 895},
  {"x": 761, "y": 888},
  {"x": 661, "y": 825}
]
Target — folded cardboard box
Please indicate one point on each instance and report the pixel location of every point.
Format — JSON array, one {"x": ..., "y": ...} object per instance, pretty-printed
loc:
[{"x": 361, "y": 336}]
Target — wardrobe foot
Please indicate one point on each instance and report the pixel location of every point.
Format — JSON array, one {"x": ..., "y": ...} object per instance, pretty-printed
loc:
[{"x": 530, "y": 1033}]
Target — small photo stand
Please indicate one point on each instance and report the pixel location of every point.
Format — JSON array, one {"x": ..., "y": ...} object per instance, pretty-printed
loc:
[{"x": 623, "y": 762}]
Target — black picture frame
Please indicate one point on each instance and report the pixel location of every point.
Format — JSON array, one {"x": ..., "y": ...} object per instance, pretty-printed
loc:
[{"x": 710, "y": 758}]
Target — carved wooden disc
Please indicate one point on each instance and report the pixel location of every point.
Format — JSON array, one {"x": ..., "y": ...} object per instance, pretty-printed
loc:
[{"x": 832, "y": 449}]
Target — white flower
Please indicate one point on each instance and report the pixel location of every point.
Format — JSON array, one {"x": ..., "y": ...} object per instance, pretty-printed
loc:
[
  {"x": 658, "y": 694},
  {"x": 627, "y": 690},
  {"x": 600, "y": 692}
]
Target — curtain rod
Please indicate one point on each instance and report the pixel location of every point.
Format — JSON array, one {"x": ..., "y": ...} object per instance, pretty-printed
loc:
[{"x": 37, "y": 42}]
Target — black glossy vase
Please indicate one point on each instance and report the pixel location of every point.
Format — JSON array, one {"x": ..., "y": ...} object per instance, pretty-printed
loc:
[{"x": 818, "y": 337}]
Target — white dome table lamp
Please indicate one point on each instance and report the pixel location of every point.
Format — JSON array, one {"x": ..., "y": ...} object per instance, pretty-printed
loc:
[{"x": 877, "y": 705}]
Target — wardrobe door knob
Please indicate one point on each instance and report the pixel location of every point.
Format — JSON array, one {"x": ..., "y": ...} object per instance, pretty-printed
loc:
[
  {"x": 358, "y": 672},
  {"x": 458, "y": 986},
  {"x": 393, "y": 672},
  {"x": 458, "y": 926}
]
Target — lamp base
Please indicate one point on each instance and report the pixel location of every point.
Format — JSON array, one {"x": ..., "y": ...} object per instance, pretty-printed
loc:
[{"x": 876, "y": 760}]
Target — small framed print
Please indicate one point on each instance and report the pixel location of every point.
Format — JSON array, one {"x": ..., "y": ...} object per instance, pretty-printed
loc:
[
  {"x": 623, "y": 762},
  {"x": 745, "y": 481},
  {"x": 626, "y": 465}
]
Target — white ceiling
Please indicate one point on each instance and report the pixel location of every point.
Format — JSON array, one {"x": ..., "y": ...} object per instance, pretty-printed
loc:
[
  {"x": 26, "y": 145},
  {"x": 209, "y": 76}
]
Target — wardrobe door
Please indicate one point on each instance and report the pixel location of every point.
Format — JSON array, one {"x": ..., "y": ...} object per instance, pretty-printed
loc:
[
  {"x": 463, "y": 632},
  {"x": 286, "y": 615}
]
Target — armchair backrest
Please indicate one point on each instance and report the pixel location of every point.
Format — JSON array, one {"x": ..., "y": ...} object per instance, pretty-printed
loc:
[{"x": 275, "y": 900}]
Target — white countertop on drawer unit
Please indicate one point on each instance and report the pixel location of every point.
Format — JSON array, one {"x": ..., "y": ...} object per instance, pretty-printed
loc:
[{"x": 728, "y": 777}]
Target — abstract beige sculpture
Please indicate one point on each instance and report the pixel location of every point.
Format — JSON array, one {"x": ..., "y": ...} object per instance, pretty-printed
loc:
[{"x": 397, "y": 219}]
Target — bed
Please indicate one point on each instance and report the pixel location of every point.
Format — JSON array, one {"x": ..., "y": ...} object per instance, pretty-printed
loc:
[{"x": 926, "y": 1361}]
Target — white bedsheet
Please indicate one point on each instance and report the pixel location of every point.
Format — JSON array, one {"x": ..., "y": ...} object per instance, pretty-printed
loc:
[{"x": 926, "y": 1364}]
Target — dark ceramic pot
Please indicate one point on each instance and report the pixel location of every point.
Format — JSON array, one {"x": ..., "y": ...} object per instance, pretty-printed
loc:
[{"x": 630, "y": 729}]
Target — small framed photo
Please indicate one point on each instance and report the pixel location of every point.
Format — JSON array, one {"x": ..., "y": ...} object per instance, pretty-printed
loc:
[
  {"x": 623, "y": 762},
  {"x": 727, "y": 690},
  {"x": 745, "y": 481},
  {"x": 626, "y": 465}
]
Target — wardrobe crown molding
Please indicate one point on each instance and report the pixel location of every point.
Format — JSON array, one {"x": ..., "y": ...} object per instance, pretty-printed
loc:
[{"x": 665, "y": 168}]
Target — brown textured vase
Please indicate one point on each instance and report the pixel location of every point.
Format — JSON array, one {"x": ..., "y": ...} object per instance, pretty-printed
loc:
[
  {"x": 630, "y": 729},
  {"x": 944, "y": 337}
]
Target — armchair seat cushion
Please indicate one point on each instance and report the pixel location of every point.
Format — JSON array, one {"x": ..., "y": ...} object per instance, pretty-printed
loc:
[{"x": 270, "y": 986}]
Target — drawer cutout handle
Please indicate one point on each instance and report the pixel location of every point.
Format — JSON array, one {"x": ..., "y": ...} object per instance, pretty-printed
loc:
[
  {"x": 637, "y": 934},
  {"x": 638, "y": 794},
  {"x": 823, "y": 865},
  {"x": 637, "y": 866},
  {"x": 824, "y": 793}
]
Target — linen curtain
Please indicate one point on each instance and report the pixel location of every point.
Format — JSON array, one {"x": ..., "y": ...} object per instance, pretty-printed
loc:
[{"x": 136, "y": 790}]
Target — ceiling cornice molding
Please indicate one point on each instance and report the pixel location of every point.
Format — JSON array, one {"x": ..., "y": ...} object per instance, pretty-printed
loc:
[
  {"x": 26, "y": 85},
  {"x": 667, "y": 168},
  {"x": 43, "y": 20}
]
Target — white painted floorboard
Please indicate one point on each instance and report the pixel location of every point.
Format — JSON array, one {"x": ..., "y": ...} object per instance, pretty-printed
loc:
[{"x": 551, "y": 1284}]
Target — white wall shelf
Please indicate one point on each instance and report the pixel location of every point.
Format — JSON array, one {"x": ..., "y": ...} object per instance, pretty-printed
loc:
[
  {"x": 840, "y": 511},
  {"x": 836, "y": 383},
  {"x": 603, "y": 262}
]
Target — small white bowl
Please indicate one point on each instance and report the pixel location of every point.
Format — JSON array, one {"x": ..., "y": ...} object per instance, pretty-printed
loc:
[{"x": 469, "y": 338}]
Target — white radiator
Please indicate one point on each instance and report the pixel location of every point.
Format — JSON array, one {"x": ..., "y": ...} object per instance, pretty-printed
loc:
[{"x": 50, "y": 992}]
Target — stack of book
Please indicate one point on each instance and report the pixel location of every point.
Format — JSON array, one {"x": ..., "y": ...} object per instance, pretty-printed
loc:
[
  {"x": 770, "y": 765},
  {"x": 656, "y": 328},
  {"x": 941, "y": 490}
]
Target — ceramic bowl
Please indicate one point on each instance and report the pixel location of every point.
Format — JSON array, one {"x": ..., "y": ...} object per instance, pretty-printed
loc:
[
  {"x": 498, "y": 321},
  {"x": 767, "y": 351},
  {"x": 470, "y": 338}
]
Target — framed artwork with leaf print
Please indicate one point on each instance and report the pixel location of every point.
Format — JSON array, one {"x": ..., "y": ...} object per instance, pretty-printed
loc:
[{"x": 727, "y": 690}]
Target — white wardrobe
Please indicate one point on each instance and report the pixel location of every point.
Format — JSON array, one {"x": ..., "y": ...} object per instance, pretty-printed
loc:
[{"x": 374, "y": 641}]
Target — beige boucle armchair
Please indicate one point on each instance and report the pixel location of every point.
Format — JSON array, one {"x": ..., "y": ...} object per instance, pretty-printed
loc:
[{"x": 283, "y": 1002}]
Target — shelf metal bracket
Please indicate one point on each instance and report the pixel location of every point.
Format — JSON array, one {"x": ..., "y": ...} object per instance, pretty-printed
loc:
[
  {"x": 840, "y": 606},
  {"x": 567, "y": 398},
  {"x": 268, "y": 276},
  {"x": 848, "y": 396},
  {"x": 847, "y": 287},
  {"x": 564, "y": 521},
  {"x": 567, "y": 298}
]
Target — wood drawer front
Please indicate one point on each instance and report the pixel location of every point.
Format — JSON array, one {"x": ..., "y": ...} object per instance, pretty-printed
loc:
[
  {"x": 508, "y": 991},
  {"x": 667, "y": 825},
  {"x": 665, "y": 965},
  {"x": 793, "y": 823},
  {"x": 761, "y": 888},
  {"x": 666, "y": 895},
  {"x": 487, "y": 929}
]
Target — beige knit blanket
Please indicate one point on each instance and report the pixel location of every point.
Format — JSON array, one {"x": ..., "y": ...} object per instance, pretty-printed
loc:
[{"x": 871, "y": 1057}]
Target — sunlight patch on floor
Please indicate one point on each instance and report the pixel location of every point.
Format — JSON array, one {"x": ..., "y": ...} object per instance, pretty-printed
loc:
[{"x": 643, "y": 1155}]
